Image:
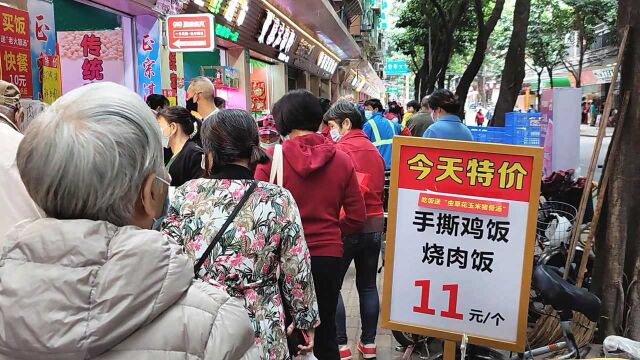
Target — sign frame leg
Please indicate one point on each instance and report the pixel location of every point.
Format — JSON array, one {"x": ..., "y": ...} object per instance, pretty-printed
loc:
[{"x": 449, "y": 350}]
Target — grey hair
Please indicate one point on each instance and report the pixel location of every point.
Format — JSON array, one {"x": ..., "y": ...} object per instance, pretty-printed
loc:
[
  {"x": 343, "y": 109},
  {"x": 87, "y": 155},
  {"x": 203, "y": 84}
]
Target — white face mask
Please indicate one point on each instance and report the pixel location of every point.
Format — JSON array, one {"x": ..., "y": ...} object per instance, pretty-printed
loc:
[
  {"x": 267, "y": 146},
  {"x": 165, "y": 138},
  {"x": 335, "y": 135},
  {"x": 368, "y": 114}
]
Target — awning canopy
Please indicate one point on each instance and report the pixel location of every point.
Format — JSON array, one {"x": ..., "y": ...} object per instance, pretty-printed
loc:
[{"x": 546, "y": 83}]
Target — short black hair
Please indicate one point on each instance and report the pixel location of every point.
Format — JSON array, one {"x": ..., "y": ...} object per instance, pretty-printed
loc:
[
  {"x": 414, "y": 104},
  {"x": 342, "y": 110},
  {"x": 157, "y": 101},
  {"x": 297, "y": 110},
  {"x": 232, "y": 135},
  {"x": 375, "y": 104},
  {"x": 445, "y": 100},
  {"x": 326, "y": 104},
  {"x": 219, "y": 102}
]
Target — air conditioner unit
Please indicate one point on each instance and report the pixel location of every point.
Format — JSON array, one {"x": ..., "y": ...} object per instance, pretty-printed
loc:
[{"x": 379, "y": 67}]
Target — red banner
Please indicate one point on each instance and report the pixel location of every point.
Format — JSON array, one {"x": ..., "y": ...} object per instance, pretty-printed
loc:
[
  {"x": 488, "y": 175},
  {"x": 15, "y": 49}
]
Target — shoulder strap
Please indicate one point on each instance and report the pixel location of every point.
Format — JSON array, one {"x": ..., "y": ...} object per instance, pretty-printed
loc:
[
  {"x": 216, "y": 239},
  {"x": 277, "y": 166}
]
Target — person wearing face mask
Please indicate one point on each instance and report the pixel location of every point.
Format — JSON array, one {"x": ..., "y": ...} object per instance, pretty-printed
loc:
[
  {"x": 181, "y": 133},
  {"x": 269, "y": 135},
  {"x": 362, "y": 247},
  {"x": 380, "y": 130},
  {"x": 15, "y": 203},
  {"x": 101, "y": 285},
  {"x": 447, "y": 125},
  {"x": 201, "y": 97}
]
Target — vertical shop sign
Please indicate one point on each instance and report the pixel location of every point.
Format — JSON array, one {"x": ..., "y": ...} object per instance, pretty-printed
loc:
[
  {"x": 91, "y": 56},
  {"x": 51, "y": 87},
  {"x": 148, "y": 43},
  {"x": 43, "y": 40},
  {"x": 15, "y": 49},
  {"x": 462, "y": 222},
  {"x": 172, "y": 76}
]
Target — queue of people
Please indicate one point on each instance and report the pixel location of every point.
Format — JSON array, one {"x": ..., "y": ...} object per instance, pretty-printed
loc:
[{"x": 192, "y": 232}]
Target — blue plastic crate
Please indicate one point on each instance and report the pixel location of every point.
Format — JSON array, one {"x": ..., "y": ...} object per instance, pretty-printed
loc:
[
  {"x": 490, "y": 134},
  {"x": 524, "y": 128}
]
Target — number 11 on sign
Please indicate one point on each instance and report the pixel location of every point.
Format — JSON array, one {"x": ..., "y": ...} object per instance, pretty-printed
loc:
[{"x": 452, "y": 310}]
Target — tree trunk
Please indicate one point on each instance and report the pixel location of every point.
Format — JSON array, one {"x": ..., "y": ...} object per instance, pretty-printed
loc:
[
  {"x": 617, "y": 258},
  {"x": 628, "y": 171},
  {"x": 513, "y": 72},
  {"x": 550, "y": 72},
  {"x": 481, "y": 89}
]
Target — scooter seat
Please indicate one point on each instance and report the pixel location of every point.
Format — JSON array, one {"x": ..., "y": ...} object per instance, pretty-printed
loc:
[{"x": 562, "y": 295}]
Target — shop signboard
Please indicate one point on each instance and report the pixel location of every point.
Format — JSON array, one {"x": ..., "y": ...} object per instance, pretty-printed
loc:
[
  {"x": 91, "y": 56},
  {"x": 462, "y": 222},
  {"x": 397, "y": 67},
  {"x": 173, "y": 77},
  {"x": 15, "y": 49},
  {"x": 43, "y": 40},
  {"x": 327, "y": 63},
  {"x": 234, "y": 11},
  {"x": 51, "y": 80},
  {"x": 603, "y": 76},
  {"x": 190, "y": 32},
  {"x": 148, "y": 43},
  {"x": 275, "y": 33},
  {"x": 225, "y": 32},
  {"x": 393, "y": 89}
]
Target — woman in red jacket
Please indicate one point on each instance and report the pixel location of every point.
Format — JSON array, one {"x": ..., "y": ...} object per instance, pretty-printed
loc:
[
  {"x": 362, "y": 247},
  {"x": 322, "y": 181}
]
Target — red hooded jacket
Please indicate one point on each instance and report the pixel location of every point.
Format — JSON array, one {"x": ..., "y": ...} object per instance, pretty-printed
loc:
[
  {"x": 322, "y": 180},
  {"x": 367, "y": 161}
]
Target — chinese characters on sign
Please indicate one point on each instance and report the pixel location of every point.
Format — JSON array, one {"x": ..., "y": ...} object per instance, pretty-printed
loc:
[
  {"x": 148, "y": 42},
  {"x": 277, "y": 34},
  {"x": 190, "y": 32},
  {"x": 15, "y": 49},
  {"x": 43, "y": 42},
  {"x": 461, "y": 223},
  {"x": 172, "y": 76},
  {"x": 91, "y": 56},
  {"x": 327, "y": 63},
  {"x": 234, "y": 11},
  {"x": 51, "y": 89}
]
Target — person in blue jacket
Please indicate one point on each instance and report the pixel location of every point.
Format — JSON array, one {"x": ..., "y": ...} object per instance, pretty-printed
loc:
[
  {"x": 380, "y": 130},
  {"x": 447, "y": 125}
]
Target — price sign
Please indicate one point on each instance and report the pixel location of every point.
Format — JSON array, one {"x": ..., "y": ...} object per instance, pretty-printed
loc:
[{"x": 460, "y": 240}]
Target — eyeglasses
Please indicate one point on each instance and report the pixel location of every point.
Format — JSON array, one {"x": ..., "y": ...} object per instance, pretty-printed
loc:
[{"x": 167, "y": 182}]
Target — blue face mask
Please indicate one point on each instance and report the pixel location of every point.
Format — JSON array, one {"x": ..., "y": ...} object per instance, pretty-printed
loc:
[
  {"x": 368, "y": 114},
  {"x": 157, "y": 223}
]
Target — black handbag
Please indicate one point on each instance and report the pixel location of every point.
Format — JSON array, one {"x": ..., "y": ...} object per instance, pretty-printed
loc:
[{"x": 216, "y": 239}]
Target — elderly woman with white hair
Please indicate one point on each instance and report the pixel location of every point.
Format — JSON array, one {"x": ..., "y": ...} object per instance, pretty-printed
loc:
[{"x": 91, "y": 280}]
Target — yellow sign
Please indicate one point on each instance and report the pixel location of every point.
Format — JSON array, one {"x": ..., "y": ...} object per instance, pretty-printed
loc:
[{"x": 51, "y": 89}]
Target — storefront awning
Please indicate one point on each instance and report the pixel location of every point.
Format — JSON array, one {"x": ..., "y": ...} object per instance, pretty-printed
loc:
[{"x": 557, "y": 83}]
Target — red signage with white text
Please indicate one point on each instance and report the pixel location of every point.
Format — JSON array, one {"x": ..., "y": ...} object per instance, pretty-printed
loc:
[
  {"x": 191, "y": 32},
  {"x": 15, "y": 49}
]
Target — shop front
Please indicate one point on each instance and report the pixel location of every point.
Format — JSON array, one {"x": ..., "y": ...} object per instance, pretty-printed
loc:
[{"x": 268, "y": 51}]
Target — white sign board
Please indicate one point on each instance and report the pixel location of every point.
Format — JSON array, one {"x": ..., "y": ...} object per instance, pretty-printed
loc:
[{"x": 460, "y": 240}]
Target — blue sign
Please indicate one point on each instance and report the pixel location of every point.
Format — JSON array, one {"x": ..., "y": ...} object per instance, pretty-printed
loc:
[
  {"x": 397, "y": 67},
  {"x": 148, "y": 43},
  {"x": 42, "y": 30}
]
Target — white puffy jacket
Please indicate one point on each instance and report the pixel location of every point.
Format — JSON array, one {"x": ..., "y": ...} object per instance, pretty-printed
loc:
[{"x": 81, "y": 289}]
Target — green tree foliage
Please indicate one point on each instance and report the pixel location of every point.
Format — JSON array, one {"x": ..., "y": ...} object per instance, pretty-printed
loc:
[
  {"x": 583, "y": 17},
  {"x": 546, "y": 46}
]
